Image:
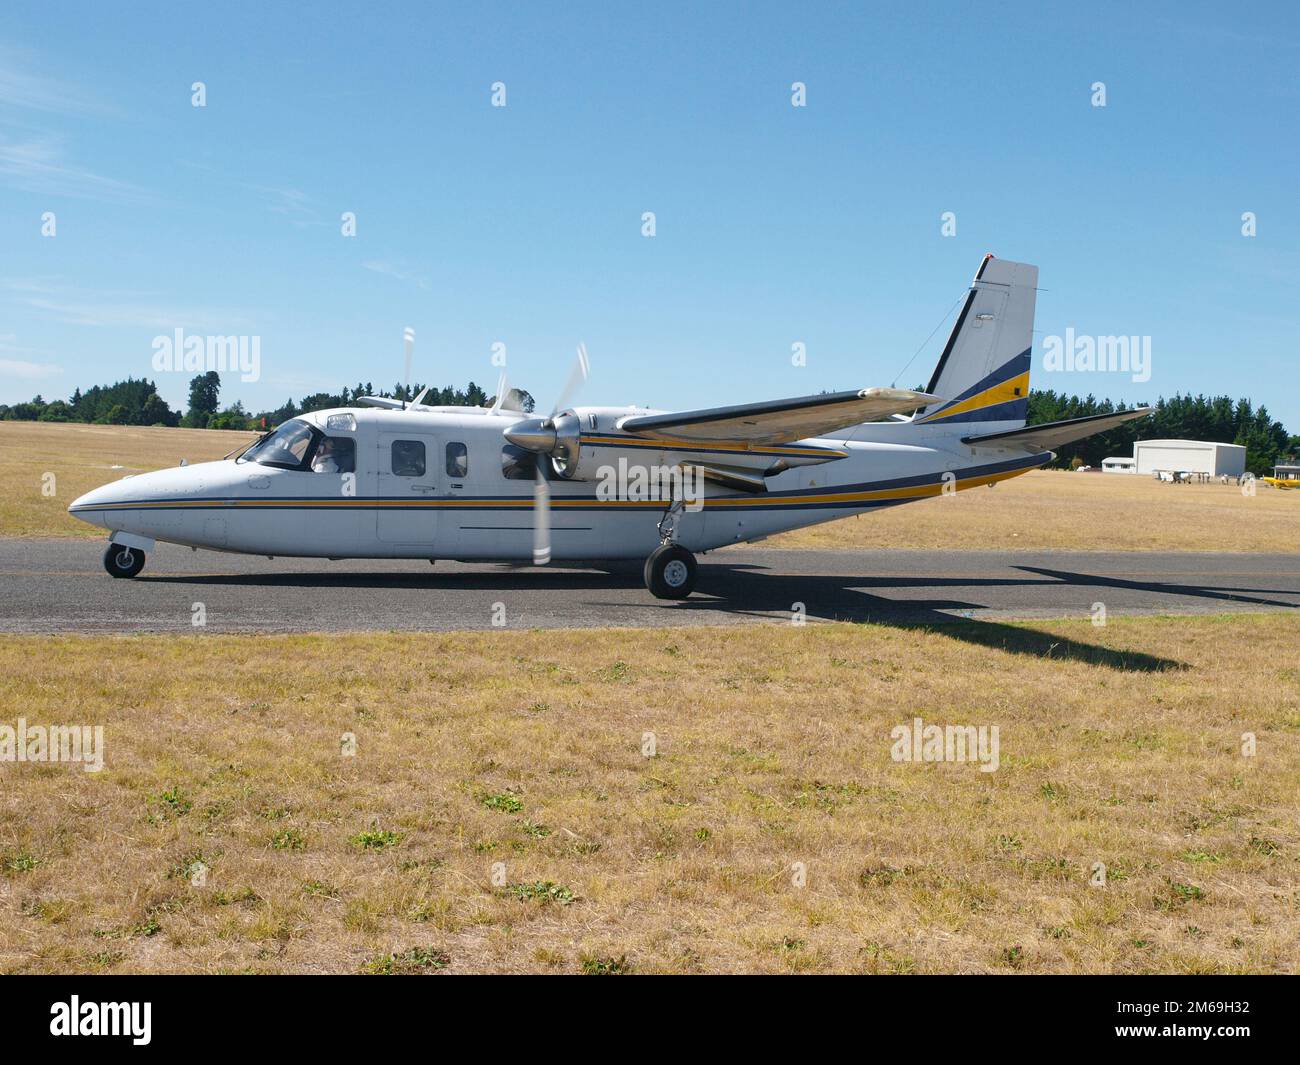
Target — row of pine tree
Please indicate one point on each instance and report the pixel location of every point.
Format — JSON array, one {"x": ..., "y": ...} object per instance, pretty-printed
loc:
[{"x": 1221, "y": 418}]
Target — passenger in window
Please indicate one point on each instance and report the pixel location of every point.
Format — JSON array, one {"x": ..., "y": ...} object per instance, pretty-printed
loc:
[
  {"x": 408, "y": 458},
  {"x": 457, "y": 460}
]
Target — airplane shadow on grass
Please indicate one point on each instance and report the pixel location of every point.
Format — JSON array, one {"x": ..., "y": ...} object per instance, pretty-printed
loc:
[
  {"x": 842, "y": 599},
  {"x": 850, "y": 599},
  {"x": 741, "y": 588}
]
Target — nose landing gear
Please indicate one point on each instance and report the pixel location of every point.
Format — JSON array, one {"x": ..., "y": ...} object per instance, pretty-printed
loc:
[{"x": 123, "y": 561}]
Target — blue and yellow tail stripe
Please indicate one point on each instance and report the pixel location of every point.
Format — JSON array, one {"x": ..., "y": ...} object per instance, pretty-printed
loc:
[{"x": 1001, "y": 396}]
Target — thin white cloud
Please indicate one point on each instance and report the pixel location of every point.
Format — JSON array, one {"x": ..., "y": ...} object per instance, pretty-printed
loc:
[
  {"x": 300, "y": 209},
  {"x": 29, "y": 371},
  {"x": 35, "y": 160},
  {"x": 116, "y": 309},
  {"x": 304, "y": 383},
  {"x": 395, "y": 270},
  {"x": 23, "y": 90},
  {"x": 38, "y": 166},
  {"x": 141, "y": 316}
]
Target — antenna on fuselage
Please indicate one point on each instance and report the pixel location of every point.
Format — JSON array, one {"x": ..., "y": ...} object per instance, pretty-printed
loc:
[
  {"x": 408, "y": 339},
  {"x": 501, "y": 393}
]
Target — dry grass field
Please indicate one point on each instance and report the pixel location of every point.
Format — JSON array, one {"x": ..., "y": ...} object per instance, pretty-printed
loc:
[
  {"x": 82, "y": 457},
  {"x": 1119, "y": 745},
  {"x": 1041, "y": 510},
  {"x": 1055, "y": 509}
]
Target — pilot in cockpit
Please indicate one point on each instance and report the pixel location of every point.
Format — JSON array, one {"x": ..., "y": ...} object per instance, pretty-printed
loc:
[{"x": 326, "y": 460}]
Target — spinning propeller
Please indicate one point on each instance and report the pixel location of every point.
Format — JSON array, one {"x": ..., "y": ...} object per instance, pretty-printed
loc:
[{"x": 541, "y": 436}]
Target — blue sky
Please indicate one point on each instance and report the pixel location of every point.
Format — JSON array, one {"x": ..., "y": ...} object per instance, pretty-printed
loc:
[{"x": 522, "y": 225}]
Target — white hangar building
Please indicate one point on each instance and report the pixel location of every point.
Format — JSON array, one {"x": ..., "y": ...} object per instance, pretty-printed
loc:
[{"x": 1189, "y": 456}]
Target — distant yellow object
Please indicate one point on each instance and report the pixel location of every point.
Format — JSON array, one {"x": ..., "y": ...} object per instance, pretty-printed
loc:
[{"x": 1281, "y": 482}]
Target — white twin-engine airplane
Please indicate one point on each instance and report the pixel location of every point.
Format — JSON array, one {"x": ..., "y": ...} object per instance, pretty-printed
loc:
[{"x": 389, "y": 479}]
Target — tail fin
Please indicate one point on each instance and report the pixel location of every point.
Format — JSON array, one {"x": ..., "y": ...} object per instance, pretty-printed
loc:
[{"x": 983, "y": 373}]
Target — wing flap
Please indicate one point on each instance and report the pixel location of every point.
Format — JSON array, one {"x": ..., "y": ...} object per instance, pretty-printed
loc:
[
  {"x": 778, "y": 421},
  {"x": 733, "y": 477}
]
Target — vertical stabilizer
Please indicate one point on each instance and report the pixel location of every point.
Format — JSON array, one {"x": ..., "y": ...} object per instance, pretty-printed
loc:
[{"x": 983, "y": 373}]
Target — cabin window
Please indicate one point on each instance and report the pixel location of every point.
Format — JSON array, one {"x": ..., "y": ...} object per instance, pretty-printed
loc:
[
  {"x": 408, "y": 458},
  {"x": 516, "y": 463},
  {"x": 335, "y": 454},
  {"x": 457, "y": 459}
]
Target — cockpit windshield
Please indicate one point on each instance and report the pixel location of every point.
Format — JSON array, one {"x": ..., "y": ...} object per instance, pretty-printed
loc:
[{"x": 288, "y": 447}]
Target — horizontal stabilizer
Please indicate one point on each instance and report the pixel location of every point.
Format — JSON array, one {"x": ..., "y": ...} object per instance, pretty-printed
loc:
[
  {"x": 778, "y": 421},
  {"x": 1049, "y": 435}
]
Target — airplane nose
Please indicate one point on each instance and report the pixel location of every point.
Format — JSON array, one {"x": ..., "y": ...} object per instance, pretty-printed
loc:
[
  {"x": 88, "y": 507},
  {"x": 535, "y": 434}
]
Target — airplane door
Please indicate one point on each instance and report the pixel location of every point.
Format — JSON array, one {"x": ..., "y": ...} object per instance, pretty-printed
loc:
[{"x": 407, "y": 486}]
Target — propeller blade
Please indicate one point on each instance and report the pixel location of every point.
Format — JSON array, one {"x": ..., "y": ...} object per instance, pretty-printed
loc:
[
  {"x": 577, "y": 376},
  {"x": 423, "y": 392},
  {"x": 408, "y": 339},
  {"x": 541, "y": 514},
  {"x": 501, "y": 393}
]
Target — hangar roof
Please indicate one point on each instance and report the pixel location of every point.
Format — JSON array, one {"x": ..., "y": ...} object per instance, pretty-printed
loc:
[{"x": 1190, "y": 443}]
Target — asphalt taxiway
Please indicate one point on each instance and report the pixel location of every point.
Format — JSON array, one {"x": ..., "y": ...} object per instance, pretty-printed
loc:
[{"x": 60, "y": 586}]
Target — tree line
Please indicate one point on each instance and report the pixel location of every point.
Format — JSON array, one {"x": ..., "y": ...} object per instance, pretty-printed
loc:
[
  {"x": 1221, "y": 418},
  {"x": 133, "y": 402},
  {"x": 128, "y": 402}
]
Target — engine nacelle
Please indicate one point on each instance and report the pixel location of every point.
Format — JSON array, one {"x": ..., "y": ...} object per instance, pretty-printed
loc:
[
  {"x": 578, "y": 442},
  {"x": 585, "y": 444}
]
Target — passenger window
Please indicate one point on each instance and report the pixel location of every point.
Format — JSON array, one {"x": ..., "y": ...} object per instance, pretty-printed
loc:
[
  {"x": 335, "y": 454},
  {"x": 408, "y": 458},
  {"x": 457, "y": 460}
]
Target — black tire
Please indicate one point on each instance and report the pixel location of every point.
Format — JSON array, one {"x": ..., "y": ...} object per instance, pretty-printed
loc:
[
  {"x": 670, "y": 572},
  {"x": 122, "y": 561}
]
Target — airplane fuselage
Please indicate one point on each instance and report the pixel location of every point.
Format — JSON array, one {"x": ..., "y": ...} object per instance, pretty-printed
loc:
[{"x": 444, "y": 484}]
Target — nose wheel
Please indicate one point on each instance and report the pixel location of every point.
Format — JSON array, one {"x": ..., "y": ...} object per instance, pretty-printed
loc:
[
  {"x": 670, "y": 572},
  {"x": 122, "y": 561}
]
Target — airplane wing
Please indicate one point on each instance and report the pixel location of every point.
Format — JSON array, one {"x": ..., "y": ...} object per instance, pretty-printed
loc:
[
  {"x": 779, "y": 421},
  {"x": 1049, "y": 435}
]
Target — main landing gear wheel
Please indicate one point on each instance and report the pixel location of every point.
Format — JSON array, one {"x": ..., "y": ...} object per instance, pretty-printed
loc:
[
  {"x": 670, "y": 572},
  {"x": 121, "y": 561}
]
